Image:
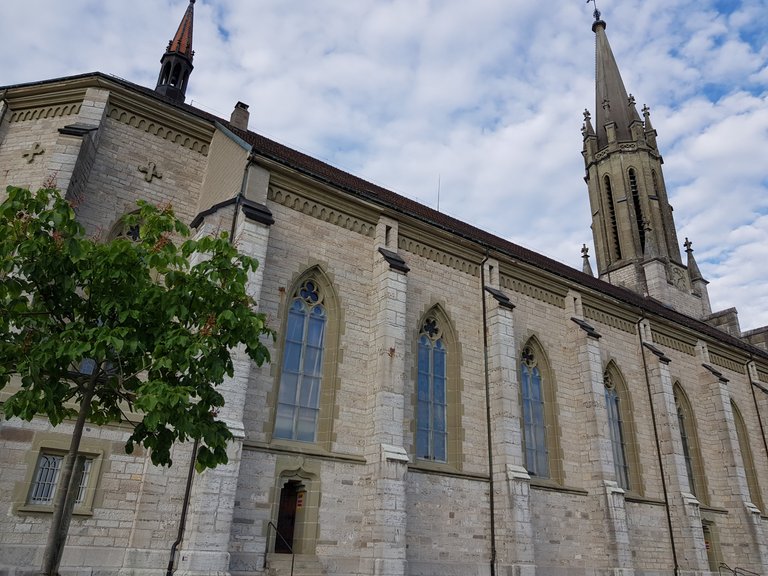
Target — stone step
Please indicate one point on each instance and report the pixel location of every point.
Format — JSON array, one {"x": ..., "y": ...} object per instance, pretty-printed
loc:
[{"x": 303, "y": 565}]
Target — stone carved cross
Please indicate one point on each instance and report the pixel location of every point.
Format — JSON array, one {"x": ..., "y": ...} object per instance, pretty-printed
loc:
[
  {"x": 30, "y": 154},
  {"x": 150, "y": 171},
  {"x": 688, "y": 245}
]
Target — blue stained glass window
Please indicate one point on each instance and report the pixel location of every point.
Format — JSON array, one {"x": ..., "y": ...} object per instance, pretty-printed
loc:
[
  {"x": 616, "y": 431},
  {"x": 682, "y": 417},
  {"x": 534, "y": 421},
  {"x": 431, "y": 405},
  {"x": 298, "y": 404}
]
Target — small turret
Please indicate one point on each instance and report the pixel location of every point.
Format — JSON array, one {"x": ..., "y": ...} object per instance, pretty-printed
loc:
[
  {"x": 698, "y": 283},
  {"x": 176, "y": 63},
  {"x": 586, "y": 267}
]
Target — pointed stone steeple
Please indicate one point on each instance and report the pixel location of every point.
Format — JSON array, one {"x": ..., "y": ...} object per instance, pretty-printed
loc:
[
  {"x": 632, "y": 225},
  {"x": 614, "y": 108},
  {"x": 698, "y": 282},
  {"x": 176, "y": 63},
  {"x": 586, "y": 129},
  {"x": 693, "y": 268}
]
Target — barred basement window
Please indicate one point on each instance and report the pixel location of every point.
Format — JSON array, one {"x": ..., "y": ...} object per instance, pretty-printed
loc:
[{"x": 43, "y": 489}]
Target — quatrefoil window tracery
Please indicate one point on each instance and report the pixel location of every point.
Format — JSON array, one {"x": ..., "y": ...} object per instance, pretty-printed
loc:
[
  {"x": 310, "y": 293},
  {"x": 529, "y": 357},
  {"x": 431, "y": 329}
]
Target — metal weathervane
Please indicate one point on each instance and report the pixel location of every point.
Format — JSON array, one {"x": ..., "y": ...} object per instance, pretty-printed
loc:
[{"x": 596, "y": 13}]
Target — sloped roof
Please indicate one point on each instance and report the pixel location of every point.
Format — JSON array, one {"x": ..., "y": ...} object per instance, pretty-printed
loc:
[{"x": 350, "y": 184}]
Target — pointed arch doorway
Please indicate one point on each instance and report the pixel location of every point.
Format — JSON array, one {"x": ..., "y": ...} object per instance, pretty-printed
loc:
[
  {"x": 296, "y": 505},
  {"x": 292, "y": 497}
]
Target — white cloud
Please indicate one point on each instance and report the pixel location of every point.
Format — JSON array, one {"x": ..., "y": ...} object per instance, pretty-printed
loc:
[{"x": 485, "y": 97}]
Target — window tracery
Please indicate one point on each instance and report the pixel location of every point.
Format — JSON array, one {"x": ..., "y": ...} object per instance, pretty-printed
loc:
[{"x": 298, "y": 404}]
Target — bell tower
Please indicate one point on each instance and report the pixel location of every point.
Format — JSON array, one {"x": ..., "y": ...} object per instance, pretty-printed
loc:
[
  {"x": 633, "y": 228},
  {"x": 176, "y": 63}
]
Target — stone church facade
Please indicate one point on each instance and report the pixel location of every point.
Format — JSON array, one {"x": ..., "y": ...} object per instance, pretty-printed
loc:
[{"x": 440, "y": 401}]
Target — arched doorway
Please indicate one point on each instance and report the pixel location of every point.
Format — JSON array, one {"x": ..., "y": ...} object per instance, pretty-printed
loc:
[{"x": 291, "y": 502}]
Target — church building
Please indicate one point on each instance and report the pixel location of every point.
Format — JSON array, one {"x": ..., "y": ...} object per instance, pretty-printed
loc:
[{"x": 440, "y": 401}]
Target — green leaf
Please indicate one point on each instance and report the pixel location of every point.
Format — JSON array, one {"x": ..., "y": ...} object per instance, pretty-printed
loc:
[{"x": 132, "y": 319}]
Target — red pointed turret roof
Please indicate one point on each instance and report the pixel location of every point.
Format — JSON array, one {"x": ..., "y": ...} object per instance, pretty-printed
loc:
[{"x": 182, "y": 41}]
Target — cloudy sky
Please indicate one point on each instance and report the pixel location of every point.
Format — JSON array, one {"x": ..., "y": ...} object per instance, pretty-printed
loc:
[{"x": 478, "y": 103}]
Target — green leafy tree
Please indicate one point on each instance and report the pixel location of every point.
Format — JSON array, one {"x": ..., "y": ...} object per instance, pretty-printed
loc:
[{"x": 91, "y": 331}]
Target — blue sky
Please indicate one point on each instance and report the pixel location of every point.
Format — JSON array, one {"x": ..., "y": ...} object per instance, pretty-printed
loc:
[{"x": 484, "y": 97}]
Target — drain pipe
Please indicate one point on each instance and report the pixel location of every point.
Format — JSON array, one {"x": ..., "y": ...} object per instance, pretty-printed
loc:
[
  {"x": 488, "y": 415},
  {"x": 184, "y": 508},
  {"x": 191, "y": 473},
  {"x": 658, "y": 448},
  {"x": 752, "y": 386},
  {"x": 240, "y": 196}
]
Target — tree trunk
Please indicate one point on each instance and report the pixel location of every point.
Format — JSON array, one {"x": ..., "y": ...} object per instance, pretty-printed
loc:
[{"x": 66, "y": 491}]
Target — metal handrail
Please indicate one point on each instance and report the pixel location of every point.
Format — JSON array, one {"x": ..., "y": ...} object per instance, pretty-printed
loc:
[
  {"x": 736, "y": 571},
  {"x": 277, "y": 532}
]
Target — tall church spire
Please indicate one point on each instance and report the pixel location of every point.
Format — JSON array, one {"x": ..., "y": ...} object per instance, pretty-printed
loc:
[
  {"x": 613, "y": 106},
  {"x": 632, "y": 225},
  {"x": 176, "y": 63}
]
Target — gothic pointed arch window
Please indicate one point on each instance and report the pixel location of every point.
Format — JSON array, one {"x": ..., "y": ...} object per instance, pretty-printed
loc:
[
  {"x": 303, "y": 407},
  {"x": 127, "y": 226},
  {"x": 692, "y": 454},
  {"x": 437, "y": 396},
  {"x": 432, "y": 432},
  {"x": 621, "y": 429},
  {"x": 165, "y": 74},
  {"x": 537, "y": 398},
  {"x": 612, "y": 217},
  {"x": 747, "y": 459},
  {"x": 639, "y": 218},
  {"x": 175, "y": 75}
]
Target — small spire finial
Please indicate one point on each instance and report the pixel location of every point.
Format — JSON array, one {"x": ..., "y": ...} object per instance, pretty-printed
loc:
[
  {"x": 587, "y": 115},
  {"x": 586, "y": 267},
  {"x": 693, "y": 268}
]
